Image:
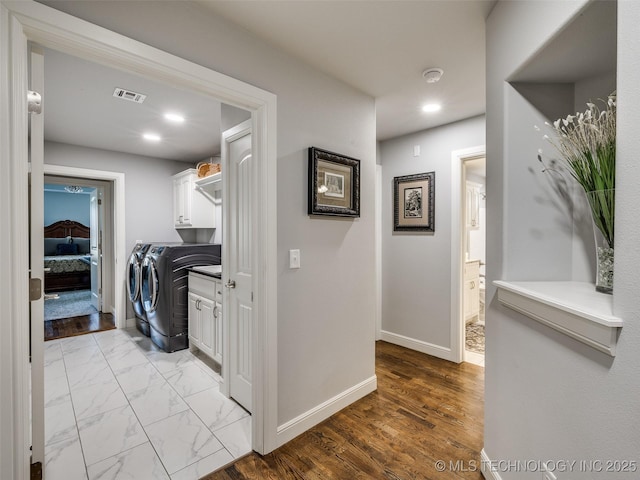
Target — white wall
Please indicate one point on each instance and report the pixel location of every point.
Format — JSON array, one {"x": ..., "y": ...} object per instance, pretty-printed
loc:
[
  {"x": 66, "y": 206},
  {"x": 148, "y": 187},
  {"x": 416, "y": 267},
  {"x": 326, "y": 309},
  {"x": 232, "y": 116},
  {"x": 547, "y": 396}
]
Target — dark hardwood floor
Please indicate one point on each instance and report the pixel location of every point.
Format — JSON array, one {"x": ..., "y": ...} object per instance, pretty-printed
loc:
[
  {"x": 70, "y": 327},
  {"x": 425, "y": 410}
]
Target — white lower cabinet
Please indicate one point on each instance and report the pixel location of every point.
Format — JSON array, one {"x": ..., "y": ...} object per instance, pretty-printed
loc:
[
  {"x": 217, "y": 345},
  {"x": 205, "y": 315},
  {"x": 471, "y": 299}
]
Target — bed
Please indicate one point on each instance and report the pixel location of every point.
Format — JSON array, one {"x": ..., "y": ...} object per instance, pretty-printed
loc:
[{"x": 67, "y": 259}]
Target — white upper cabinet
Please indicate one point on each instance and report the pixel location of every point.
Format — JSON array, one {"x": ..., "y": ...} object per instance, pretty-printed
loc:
[{"x": 191, "y": 209}]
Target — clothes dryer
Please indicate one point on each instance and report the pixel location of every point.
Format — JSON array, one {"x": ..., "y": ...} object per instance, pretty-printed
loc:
[
  {"x": 165, "y": 289},
  {"x": 134, "y": 285}
]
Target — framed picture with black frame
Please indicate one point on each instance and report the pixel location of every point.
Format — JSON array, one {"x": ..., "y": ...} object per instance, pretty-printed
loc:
[
  {"x": 334, "y": 184},
  {"x": 414, "y": 203}
]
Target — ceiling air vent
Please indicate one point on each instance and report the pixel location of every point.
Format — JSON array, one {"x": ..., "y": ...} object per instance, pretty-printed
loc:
[{"x": 129, "y": 95}]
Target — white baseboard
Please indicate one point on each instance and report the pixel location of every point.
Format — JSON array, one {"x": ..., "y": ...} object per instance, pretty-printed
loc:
[
  {"x": 485, "y": 467},
  {"x": 291, "y": 429},
  {"x": 418, "y": 345}
]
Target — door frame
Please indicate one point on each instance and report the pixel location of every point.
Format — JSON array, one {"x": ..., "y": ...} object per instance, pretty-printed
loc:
[
  {"x": 458, "y": 190},
  {"x": 378, "y": 209},
  {"x": 21, "y": 22},
  {"x": 113, "y": 229}
]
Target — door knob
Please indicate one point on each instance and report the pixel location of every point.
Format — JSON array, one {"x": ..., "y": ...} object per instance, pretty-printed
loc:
[{"x": 230, "y": 284}]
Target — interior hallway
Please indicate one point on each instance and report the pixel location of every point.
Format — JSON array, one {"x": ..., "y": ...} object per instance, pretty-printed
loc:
[{"x": 424, "y": 411}]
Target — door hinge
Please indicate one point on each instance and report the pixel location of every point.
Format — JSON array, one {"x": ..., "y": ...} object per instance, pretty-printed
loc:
[
  {"x": 252, "y": 296},
  {"x": 35, "y": 289},
  {"x": 34, "y": 101},
  {"x": 36, "y": 471}
]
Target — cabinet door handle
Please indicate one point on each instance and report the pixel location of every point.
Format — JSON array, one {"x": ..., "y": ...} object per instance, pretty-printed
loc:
[
  {"x": 215, "y": 312},
  {"x": 473, "y": 285},
  {"x": 198, "y": 304}
]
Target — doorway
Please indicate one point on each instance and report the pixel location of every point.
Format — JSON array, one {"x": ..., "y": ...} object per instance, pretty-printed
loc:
[
  {"x": 475, "y": 192},
  {"x": 465, "y": 272},
  {"x": 153, "y": 391},
  {"x": 79, "y": 256}
]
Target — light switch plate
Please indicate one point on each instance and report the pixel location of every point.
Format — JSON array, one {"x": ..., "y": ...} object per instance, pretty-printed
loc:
[{"x": 294, "y": 258}]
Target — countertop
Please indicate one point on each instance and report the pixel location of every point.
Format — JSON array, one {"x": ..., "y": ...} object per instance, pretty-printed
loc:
[{"x": 214, "y": 271}]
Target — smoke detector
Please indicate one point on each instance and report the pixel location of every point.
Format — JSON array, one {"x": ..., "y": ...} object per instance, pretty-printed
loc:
[
  {"x": 129, "y": 95},
  {"x": 432, "y": 75}
]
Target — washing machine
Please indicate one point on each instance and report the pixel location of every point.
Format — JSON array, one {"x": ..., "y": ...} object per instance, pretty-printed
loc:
[
  {"x": 134, "y": 285},
  {"x": 165, "y": 289}
]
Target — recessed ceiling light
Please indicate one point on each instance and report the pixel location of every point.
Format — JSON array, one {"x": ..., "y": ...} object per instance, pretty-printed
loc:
[
  {"x": 431, "y": 107},
  {"x": 174, "y": 117},
  {"x": 152, "y": 137}
]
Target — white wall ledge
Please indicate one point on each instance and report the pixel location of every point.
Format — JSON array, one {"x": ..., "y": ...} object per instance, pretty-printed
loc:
[
  {"x": 213, "y": 179},
  {"x": 573, "y": 308}
]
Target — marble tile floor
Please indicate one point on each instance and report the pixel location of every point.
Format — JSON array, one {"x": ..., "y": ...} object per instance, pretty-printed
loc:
[{"x": 117, "y": 407}]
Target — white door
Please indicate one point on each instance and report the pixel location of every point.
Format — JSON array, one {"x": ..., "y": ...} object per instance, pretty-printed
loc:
[
  {"x": 36, "y": 209},
  {"x": 95, "y": 244},
  {"x": 239, "y": 188}
]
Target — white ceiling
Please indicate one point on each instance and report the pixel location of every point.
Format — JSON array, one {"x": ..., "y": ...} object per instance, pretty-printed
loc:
[
  {"x": 378, "y": 47},
  {"x": 382, "y": 48},
  {"x": 80, "y": 109}
]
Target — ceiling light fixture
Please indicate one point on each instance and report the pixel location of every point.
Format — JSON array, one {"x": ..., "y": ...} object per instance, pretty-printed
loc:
[
  {"x": 432, "y": 75},
  {"x": 174, "y": 117},
  {"x": 431, "y": 107},
  {"x": 74, "y": 189},
  {"x": 152, "y": 137}
]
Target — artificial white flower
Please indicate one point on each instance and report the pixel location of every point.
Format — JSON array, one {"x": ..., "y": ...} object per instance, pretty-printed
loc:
[{"x": 586, "y": 142}]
